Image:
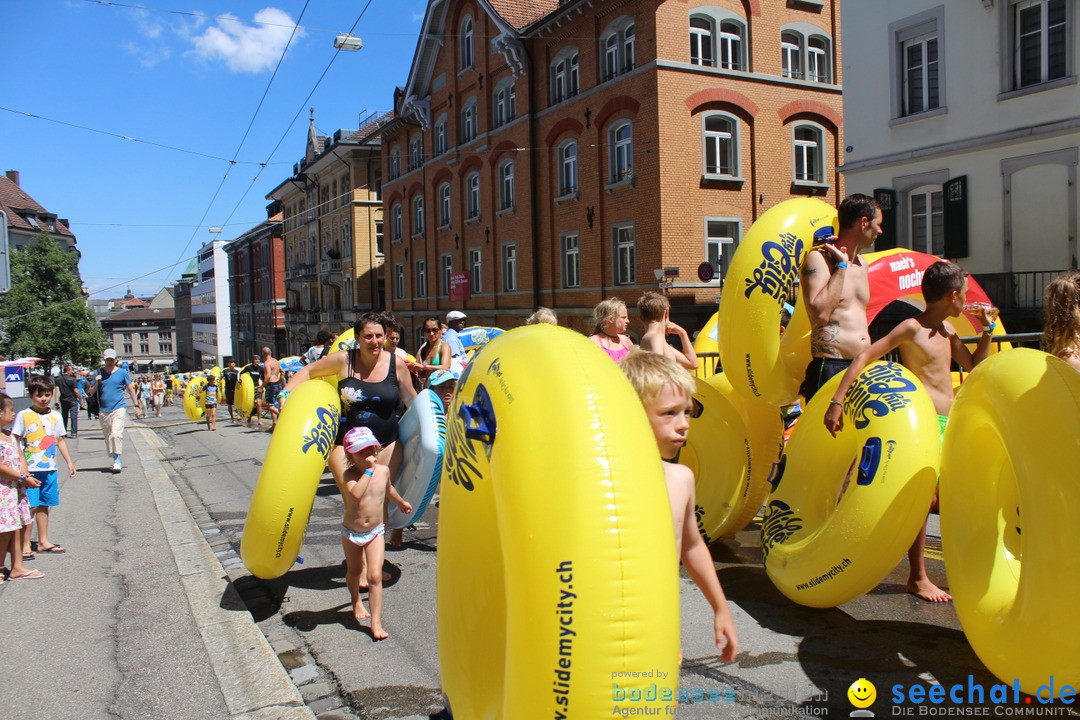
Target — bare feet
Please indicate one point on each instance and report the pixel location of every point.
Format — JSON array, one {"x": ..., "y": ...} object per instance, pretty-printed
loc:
[
  {"x": 359, "y": 611},
  {"x": 928, "y": 591},
  {"x": 377, "y": 632}
]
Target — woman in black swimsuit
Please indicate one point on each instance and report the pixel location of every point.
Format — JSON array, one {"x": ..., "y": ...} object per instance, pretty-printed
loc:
[{"x": 371, "y": 383}]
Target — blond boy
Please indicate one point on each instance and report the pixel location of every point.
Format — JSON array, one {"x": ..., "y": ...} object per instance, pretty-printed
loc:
[{"x": 665, "y": 391}]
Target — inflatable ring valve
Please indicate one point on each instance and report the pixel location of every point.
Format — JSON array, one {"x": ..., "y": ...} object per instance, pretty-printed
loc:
[
  {"x": 553, "y": 553},
  {"x": 281, "y": 504},
  {"x": 422, "y": 434},
  {"x": 762, "y": 273},
  {"x": 823, "y": 553},
  {"x": 1010, "y": 516}
]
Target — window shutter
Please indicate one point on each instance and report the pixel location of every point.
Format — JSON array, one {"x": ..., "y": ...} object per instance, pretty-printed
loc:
[
  {"x": 956, "y": 218},
  {"x": 887, "y": 199}
]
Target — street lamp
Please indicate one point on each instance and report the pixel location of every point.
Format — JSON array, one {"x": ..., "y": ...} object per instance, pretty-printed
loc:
[{"x": 348, "y": 42}]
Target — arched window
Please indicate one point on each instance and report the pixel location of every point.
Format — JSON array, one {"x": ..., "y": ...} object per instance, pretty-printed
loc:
[
  {"x": 418, "y": 215},
  {"x": 506, "y": 185},
  {"x": 617, "y": 54},
  {"x": 396, "y": 222},
  {"x": 791, "y": 55},
  {"x": 416, "y": 151},
  {"x": 731, "y": 43},
  {"x": 702, "y": 45},
  {"x": 472, "y": 196},
  {"x": 395, "y": 162},
  {"x": 503, "y": 102},
  {"x": 809, "y": 153},
  {"x": 805, "y": 51},
  {"x": 468, "y": 121},
  {"x": 721, "y": 145},
  {"x": 621, "y": 151},
  {"x": 564, "y": 75},
  {"x": 466, "y": 40},
  {"x": 568, "y": 168},
  {"x": 440, "y": 135},
  {"x": 817, "y": 59},
  {"x": 444, "y": 205}
]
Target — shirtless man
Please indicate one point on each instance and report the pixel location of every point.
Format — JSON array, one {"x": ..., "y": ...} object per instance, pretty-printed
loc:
[
  {"x": 271, "y": 385},
  {"x": 836, "y": 292},
  {"x": 928, "y": 347},
  {"x": 655, "y": 312}
]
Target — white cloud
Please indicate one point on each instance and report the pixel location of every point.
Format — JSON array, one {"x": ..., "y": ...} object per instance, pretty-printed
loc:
[
  {"x": 417, "y": 17},
  {"x": 148, "y": 56},
  {"x": 148, "y": 25},
  {"x": 244, "y": 47}
]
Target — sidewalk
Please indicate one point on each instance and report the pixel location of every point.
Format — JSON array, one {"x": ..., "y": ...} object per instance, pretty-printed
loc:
[{"x": 137, "y": 619}]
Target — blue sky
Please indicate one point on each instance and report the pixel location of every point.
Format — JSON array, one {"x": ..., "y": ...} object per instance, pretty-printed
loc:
[{"x": 179, "y": 73}]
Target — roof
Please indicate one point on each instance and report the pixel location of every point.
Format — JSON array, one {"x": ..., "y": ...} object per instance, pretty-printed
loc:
[
  {"x": 18, "y": 206},
  {"x": 140, "y": 314},
  {"x": 522, "y": 13}
]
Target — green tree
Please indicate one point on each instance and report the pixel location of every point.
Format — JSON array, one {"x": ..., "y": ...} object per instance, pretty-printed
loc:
[{"x": 45, "y": 313}]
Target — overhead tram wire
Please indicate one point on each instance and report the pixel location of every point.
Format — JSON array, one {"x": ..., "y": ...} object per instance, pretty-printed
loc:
[
  {"x": 232, "y": 163},
  {"x": 262, "y": 166}
]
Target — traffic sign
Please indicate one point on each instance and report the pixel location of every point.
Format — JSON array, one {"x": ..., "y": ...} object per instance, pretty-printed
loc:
[{"x": 706, "y": 272}]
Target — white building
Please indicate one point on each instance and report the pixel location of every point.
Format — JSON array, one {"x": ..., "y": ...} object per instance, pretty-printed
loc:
[
  {"x": 211, "y": 324},
  {"x": 963, "y": 118}
]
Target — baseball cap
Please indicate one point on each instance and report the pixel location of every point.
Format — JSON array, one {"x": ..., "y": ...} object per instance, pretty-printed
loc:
[
  {"x": 358, "y": 439},
  {"x": 440, "y": 376},
  {"x": 455, "y": 315},
  {"x": 110, "y": 353}
]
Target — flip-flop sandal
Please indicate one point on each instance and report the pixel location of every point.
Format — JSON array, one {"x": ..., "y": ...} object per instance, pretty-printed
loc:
[
  {"x": 32, "y": 575},
  {"x": 28, "y": 556},
  {"x": 53, "y": 549}
]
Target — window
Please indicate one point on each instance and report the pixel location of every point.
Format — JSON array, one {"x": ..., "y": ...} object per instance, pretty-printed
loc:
[
  {"x": 164, "y": 345},
  {"x": 791, "y": 54},
  {"x": 721, "y": 145},
  {"x": 418, "y": 215},
  {"x": 1040, "y": 41},
  {"x": 721, "y": 240},
  {"x": 506, "y": 185},
  {"x": 144, "y": 343},
  {"x": 564, "y": 75},
  {"x": 468, "y": 121},
  {"x": 817, "y": 60},
  {"x": 396, "y": 213},
  {"x": 377, "y": 185},
  {"x": 809, "y": 146},
  {"x": 440, "y": 135},
  {"x": 568, "y": 168},
  {"x": 476, "y": 285},
  {"x": 346, "y": 239},
  {"x": 623, "y": 254},
  {"x": 472, "y": 195},
  {"x": 395, "y": 163},
  {"x": 399, "y": 280},
  {"x": 731, "y": 45},
  {"x": 621, "y": 150},
  {"x": 571, "y": 260},
  {"x": 920, "y": 74},
  {"x": 701, "y": 41},
  {"x": 421, "y": 279},
  {"x": 509, "y": 267},
  {"x": 446, "y": 269},
  {"x": 379, "y": 237},
  {"x": 466, "y": 43},
  {"x": 444, "y": 205},
  {"x": 416, "y": 151},
  {"x": 504, "y": 103},
  {"x": 617, "y": 55},
  {"x": 127, "y": 344},
  {"x": 927, "y": 220}
]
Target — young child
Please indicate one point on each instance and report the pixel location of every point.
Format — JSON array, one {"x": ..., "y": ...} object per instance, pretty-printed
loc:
[
  {"x": 364, "y": 487},
  {"x": 655, "y": 311},
  {"x": 15, "y": 516},
  {"x": 210, "y": 389},
  {"x": 665, "y": 390},
  {"x": 1061, "y": 318},
  {"x": 927, "y": 348},
  {"x": 41, "y": 431}
]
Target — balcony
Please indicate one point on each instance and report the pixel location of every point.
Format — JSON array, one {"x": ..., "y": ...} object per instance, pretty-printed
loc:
[{"x": 304, "y": 271}]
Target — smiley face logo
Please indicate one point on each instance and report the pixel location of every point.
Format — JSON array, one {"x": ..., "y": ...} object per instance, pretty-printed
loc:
[{"x": 862, "y": 693}]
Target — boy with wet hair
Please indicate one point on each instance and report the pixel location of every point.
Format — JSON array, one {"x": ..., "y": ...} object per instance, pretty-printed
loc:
[
  {"x": 655, "y": 311},
  {"x": 928, "y": 347},
  {"x": 364, "y": 487},
  {"x": 665, "y": 391}
]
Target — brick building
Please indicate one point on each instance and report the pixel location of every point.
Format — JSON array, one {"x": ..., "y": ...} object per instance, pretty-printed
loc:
[
  {"x": 257, "y": 290},
  {"x": 332, "y": 216},
  {"x": 557, "y": 152}
]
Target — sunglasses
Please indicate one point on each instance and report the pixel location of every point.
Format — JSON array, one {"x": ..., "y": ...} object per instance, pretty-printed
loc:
[{"x": 431, "y": 330}]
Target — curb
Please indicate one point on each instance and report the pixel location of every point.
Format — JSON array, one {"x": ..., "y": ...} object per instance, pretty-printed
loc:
[{"x": 253, "y": 681}]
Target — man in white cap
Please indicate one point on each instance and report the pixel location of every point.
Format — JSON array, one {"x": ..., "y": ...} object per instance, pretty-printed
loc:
[
  {"x": 110, "y": 382},
  {"x": 455, "y": 323}
]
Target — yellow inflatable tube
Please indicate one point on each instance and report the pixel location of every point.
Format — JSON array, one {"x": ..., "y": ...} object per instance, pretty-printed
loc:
[
  {"x": 1010, "y": 516},
  {"x": 244, "y": 394},
  {"x": 278, "y": 517},
  {"x": 823, "y": 553},
  {"x": 760, "y": 280},
  {"x": 556, "y": 572},
  {"x": 708, "y": 341},
  {"x": 194, "y": 400}
]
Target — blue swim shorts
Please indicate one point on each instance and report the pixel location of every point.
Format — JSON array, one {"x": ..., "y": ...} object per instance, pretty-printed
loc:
[{"x": 48, "y": 495}]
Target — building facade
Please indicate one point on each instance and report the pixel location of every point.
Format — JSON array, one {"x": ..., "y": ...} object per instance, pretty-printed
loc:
[
  {"x": 144, "y": 337},
  {"x": 211, "y": 321},
  {"x": 256, "y": 262},
  {"x": 556, "y": 153},
  {"x": 965, "y": 122},
  {"x": 332, "y": 225}
]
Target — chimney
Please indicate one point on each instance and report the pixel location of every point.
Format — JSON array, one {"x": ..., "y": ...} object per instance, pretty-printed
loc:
[{"x": 13, "y": 176}]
